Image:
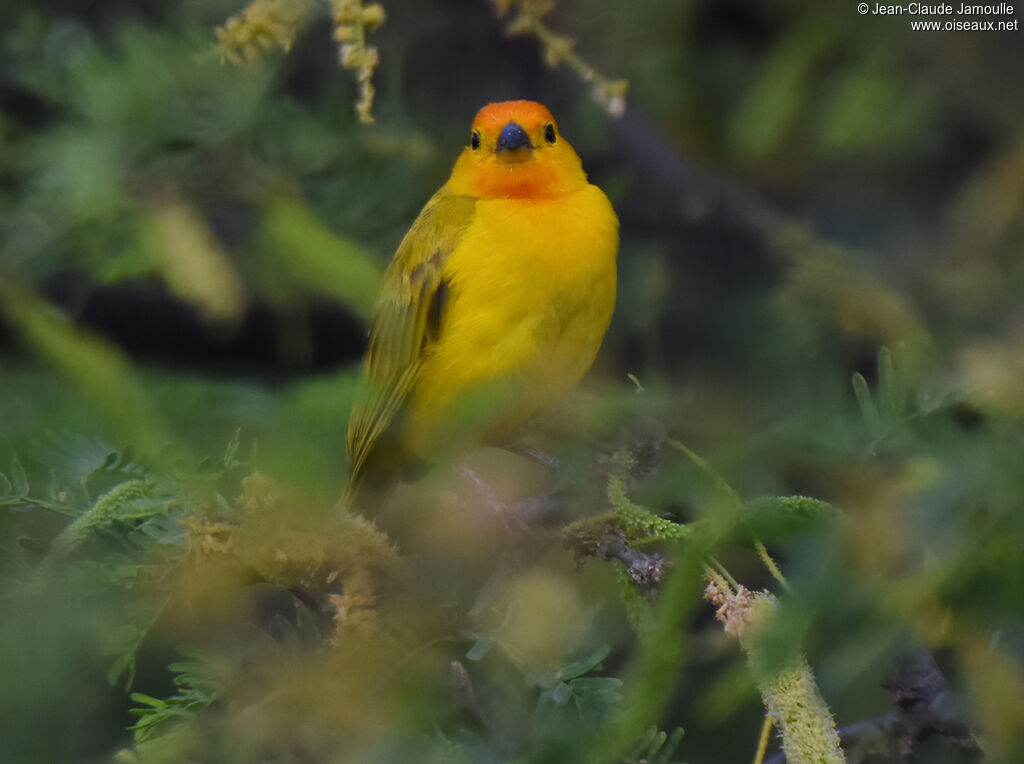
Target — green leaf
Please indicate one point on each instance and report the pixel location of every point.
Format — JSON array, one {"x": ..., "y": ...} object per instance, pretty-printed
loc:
[
  {"x": 124, "y": 665},
  {"x": 561, "y": 693},
  {"x": 19, "y": 479},
  {"x": 92, "y": 364},
  {"x": 596, "y": 696},
  {"x": 657, "y": 741},
  {"x": 596, "y": 684},
  {"x": 480, "y": 648},
  {"x": 197, "y": 687},
  {"x": 318, "y": 258},
  {"x": 771, "y": 105},
  {"x": 231, "y": 450},
  {"x": 127, "y": 457},
  {"x": 6, "y": 488},
  {"x": 583, "y": 665},
  {"x": 149, "y": 700},
  {"x": 642, "y": 749},
  {"x": 892, "y": 383},
  {"x": 124, "y": 640},
  {"x": 541, "y": 677},
  {"x": 662, "y": 756},
  {"x": 867, "y": 404},
  {"x": 886, "y": 384}
]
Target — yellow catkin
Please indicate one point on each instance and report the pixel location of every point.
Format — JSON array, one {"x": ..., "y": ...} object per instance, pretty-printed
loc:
[
  {"x": 789, "y": 692},
  {"x": 352, "y": 22},
  {"x": 263, "y": 25}
]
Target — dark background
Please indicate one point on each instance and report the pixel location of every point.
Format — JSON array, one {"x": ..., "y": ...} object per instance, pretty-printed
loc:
[{"x": 798, "y": 186}]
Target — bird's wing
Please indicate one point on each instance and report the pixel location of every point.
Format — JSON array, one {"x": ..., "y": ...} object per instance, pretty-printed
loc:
[{"x": 406, "y": 322}]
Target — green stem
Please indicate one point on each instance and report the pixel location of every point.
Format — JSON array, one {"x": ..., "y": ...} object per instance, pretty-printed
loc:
[
  {"x": 20, "y": 501},
  {"x": 770, "y": 564},
  {"x": 737, "y": 503},
  {"x": 724, "y": 572},
  {"x": 710, "y": 471}
]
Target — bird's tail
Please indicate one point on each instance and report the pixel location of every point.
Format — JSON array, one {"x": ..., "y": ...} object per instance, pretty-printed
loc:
[{"x": 371, "y": 483}]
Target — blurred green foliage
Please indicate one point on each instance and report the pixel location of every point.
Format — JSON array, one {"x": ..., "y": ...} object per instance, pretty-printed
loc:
[{"x": 820, "y": 277}]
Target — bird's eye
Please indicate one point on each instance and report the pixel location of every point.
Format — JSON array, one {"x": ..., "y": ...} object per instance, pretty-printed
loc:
[
  {"x": 549, "y": 133},
  {"x": 474, "y": 140}
]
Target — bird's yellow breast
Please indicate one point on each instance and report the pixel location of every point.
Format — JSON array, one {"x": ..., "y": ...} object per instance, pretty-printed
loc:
[{"x": 531, "y": 289}]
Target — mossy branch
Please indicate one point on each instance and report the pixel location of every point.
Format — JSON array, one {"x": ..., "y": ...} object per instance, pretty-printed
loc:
[{"x": 789, "y": 692}]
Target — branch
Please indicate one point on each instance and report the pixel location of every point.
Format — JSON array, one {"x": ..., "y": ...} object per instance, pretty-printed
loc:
[
  {"x": 644, "y": 569},
  {"x": 925, "y": 708}
]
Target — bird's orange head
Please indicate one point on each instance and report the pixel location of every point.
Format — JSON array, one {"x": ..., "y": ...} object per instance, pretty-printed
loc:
[{"x": 515, "y": 151}]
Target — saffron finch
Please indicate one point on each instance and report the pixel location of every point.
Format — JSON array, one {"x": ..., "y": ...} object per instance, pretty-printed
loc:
[{"x": 499, "y": 294}]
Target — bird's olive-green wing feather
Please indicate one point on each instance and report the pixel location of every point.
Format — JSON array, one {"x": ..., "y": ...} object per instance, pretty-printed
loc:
[{"x": 406, "y": 322}]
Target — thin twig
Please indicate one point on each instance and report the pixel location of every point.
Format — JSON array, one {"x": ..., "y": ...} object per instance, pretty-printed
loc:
[
  {"x": 710, "y": 471},
  {"x": 720, "y": 568},
  {"x": 644, "y": 569},
  {"x": 737, "y": 503},
  {"x": 542, "y": 458},
  {"x": 762, "y": 743},
  {"x": 770, "y": 564}
]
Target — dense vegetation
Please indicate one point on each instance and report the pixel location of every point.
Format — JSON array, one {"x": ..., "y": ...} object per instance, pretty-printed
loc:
[{"x": 809, "y": 408}]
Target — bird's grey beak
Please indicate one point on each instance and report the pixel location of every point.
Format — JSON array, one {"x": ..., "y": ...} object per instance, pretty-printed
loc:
[{"x": 512, "y": 138}]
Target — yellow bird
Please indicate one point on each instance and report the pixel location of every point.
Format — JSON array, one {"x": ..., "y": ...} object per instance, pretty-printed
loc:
[{"x": 497, "y": 299}]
